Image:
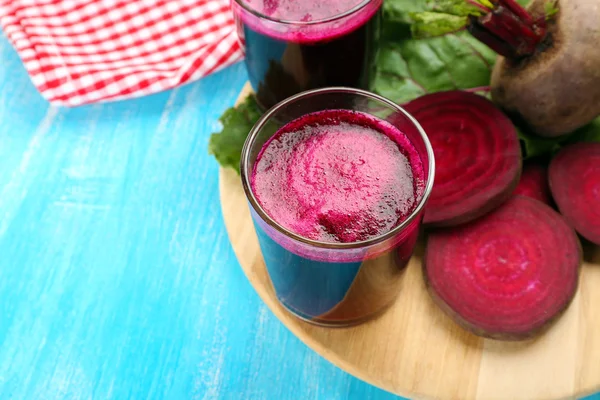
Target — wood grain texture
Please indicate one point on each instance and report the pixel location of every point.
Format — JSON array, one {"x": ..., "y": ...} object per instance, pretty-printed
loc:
[
  {"x": 415, "y": 350},
  {"x": 117, "y": 278}
]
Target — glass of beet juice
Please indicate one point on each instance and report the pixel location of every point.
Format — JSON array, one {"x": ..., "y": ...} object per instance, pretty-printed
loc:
[
  {"x": 295, "y": 45},
  {"x": 337, "y": 180}
]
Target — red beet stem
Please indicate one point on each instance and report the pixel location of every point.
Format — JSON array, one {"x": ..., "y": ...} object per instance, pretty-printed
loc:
[
  {"x": 508, "y": 275},
  {"x": 491, "y": 40},
  {"x": 519, "y": 11},
  {"x": 522, "y": 34},
  {"x": 508, "y": 29},
  {"x": 521, "y": 39},
  {"x": 541, "y": 23}
]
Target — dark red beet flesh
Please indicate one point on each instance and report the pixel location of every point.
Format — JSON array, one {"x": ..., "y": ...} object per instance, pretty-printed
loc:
[
  {"x": 574, "y": 176},
  {"x": 508, "y": 275},
  {"x": 477, "y": 155},
  {"x": 534, "y": 183}
]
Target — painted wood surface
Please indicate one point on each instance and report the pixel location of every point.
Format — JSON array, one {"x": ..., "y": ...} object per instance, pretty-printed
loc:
[{"x": 117, "y": 278}]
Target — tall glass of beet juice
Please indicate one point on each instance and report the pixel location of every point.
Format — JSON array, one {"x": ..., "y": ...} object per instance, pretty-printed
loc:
[
  {"x": 337, "y": 180},
  {"x": 296, "y": 45}
]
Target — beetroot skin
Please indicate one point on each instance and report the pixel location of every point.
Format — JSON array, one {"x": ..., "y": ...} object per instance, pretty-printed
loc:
[
  {"x": 557, "y": 89},
  {"x": 508, "y": 275},
  {"x": 477, "y": 155},
  {"x": 534, "y": 183},
  {"x": 574, "y": 176},
  {"x": 548, "y": 72}
]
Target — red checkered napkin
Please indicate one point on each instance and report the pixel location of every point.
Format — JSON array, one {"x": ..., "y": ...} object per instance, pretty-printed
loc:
[{"x": 86, "y": 51}]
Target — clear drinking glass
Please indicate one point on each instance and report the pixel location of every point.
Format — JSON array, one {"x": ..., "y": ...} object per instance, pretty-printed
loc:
[
  {"x": 335, "y": 284},
  {"x": 285, "y": 55}
]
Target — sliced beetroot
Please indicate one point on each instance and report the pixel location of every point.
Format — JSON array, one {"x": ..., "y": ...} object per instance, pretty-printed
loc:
[
  {"x": 508, "y": 275},
  {"x": 477, "y": 155},
  {"x": 574, "y": 176},
  {"x": 534, "y": 182}
]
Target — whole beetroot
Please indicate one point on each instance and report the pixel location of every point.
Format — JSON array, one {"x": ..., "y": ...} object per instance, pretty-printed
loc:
[
  {"x": 556, "y": 89},
  {"x": 548, "y": 72}
]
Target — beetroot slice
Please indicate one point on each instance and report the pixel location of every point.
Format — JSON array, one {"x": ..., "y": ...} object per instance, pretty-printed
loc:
[
  {"x": 534, "y": 183},
  {"x": 508, "y": 275},
  {"x": 574, "y": 176},
  {"x": 477, "y": 155}
]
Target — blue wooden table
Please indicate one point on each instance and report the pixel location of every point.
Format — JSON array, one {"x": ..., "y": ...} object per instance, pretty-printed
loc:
[{"x": 117, "y": 278}]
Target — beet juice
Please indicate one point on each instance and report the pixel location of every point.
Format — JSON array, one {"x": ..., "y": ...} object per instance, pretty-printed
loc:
[
  {"x": 336, "y": 181},
  {"x": 292, "y": 46},
  {"x": 338, "y": 176}
]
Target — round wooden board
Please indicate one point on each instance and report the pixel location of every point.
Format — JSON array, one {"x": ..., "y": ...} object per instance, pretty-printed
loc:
[{"x": 416, "y": 351}]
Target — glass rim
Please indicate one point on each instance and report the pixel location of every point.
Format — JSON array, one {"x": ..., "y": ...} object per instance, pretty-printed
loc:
[
  {"x": 245, "y": 173},
  {"x": 336, "y": 17}
]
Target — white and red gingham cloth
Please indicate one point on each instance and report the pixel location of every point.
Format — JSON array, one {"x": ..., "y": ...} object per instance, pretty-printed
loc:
[{"x": 87, "y": 51}]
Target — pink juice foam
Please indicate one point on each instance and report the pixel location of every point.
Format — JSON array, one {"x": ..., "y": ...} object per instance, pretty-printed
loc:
[
  {"x": 338, "y": 176},
  {"x": 314, "y": 20}
]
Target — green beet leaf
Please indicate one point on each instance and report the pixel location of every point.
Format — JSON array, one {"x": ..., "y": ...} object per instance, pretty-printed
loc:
[
  {"x": 440, "y": 17},
  {"x": 589, "y": 133},
  {"x": 534, "y": 146},
  {"x": 237, "y": 122},
  {"x": 550, "y": 8},
  {"x": 400, "y": 11},
  {"x": 397, "y": 18},
  {"x": 461, "y": 8},
  {"x": 410, "y": 68},
  {"x": 431, "y": 24}
]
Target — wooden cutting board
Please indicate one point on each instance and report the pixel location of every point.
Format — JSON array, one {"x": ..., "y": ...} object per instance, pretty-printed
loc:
[{"x": 415, "y": 351}]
